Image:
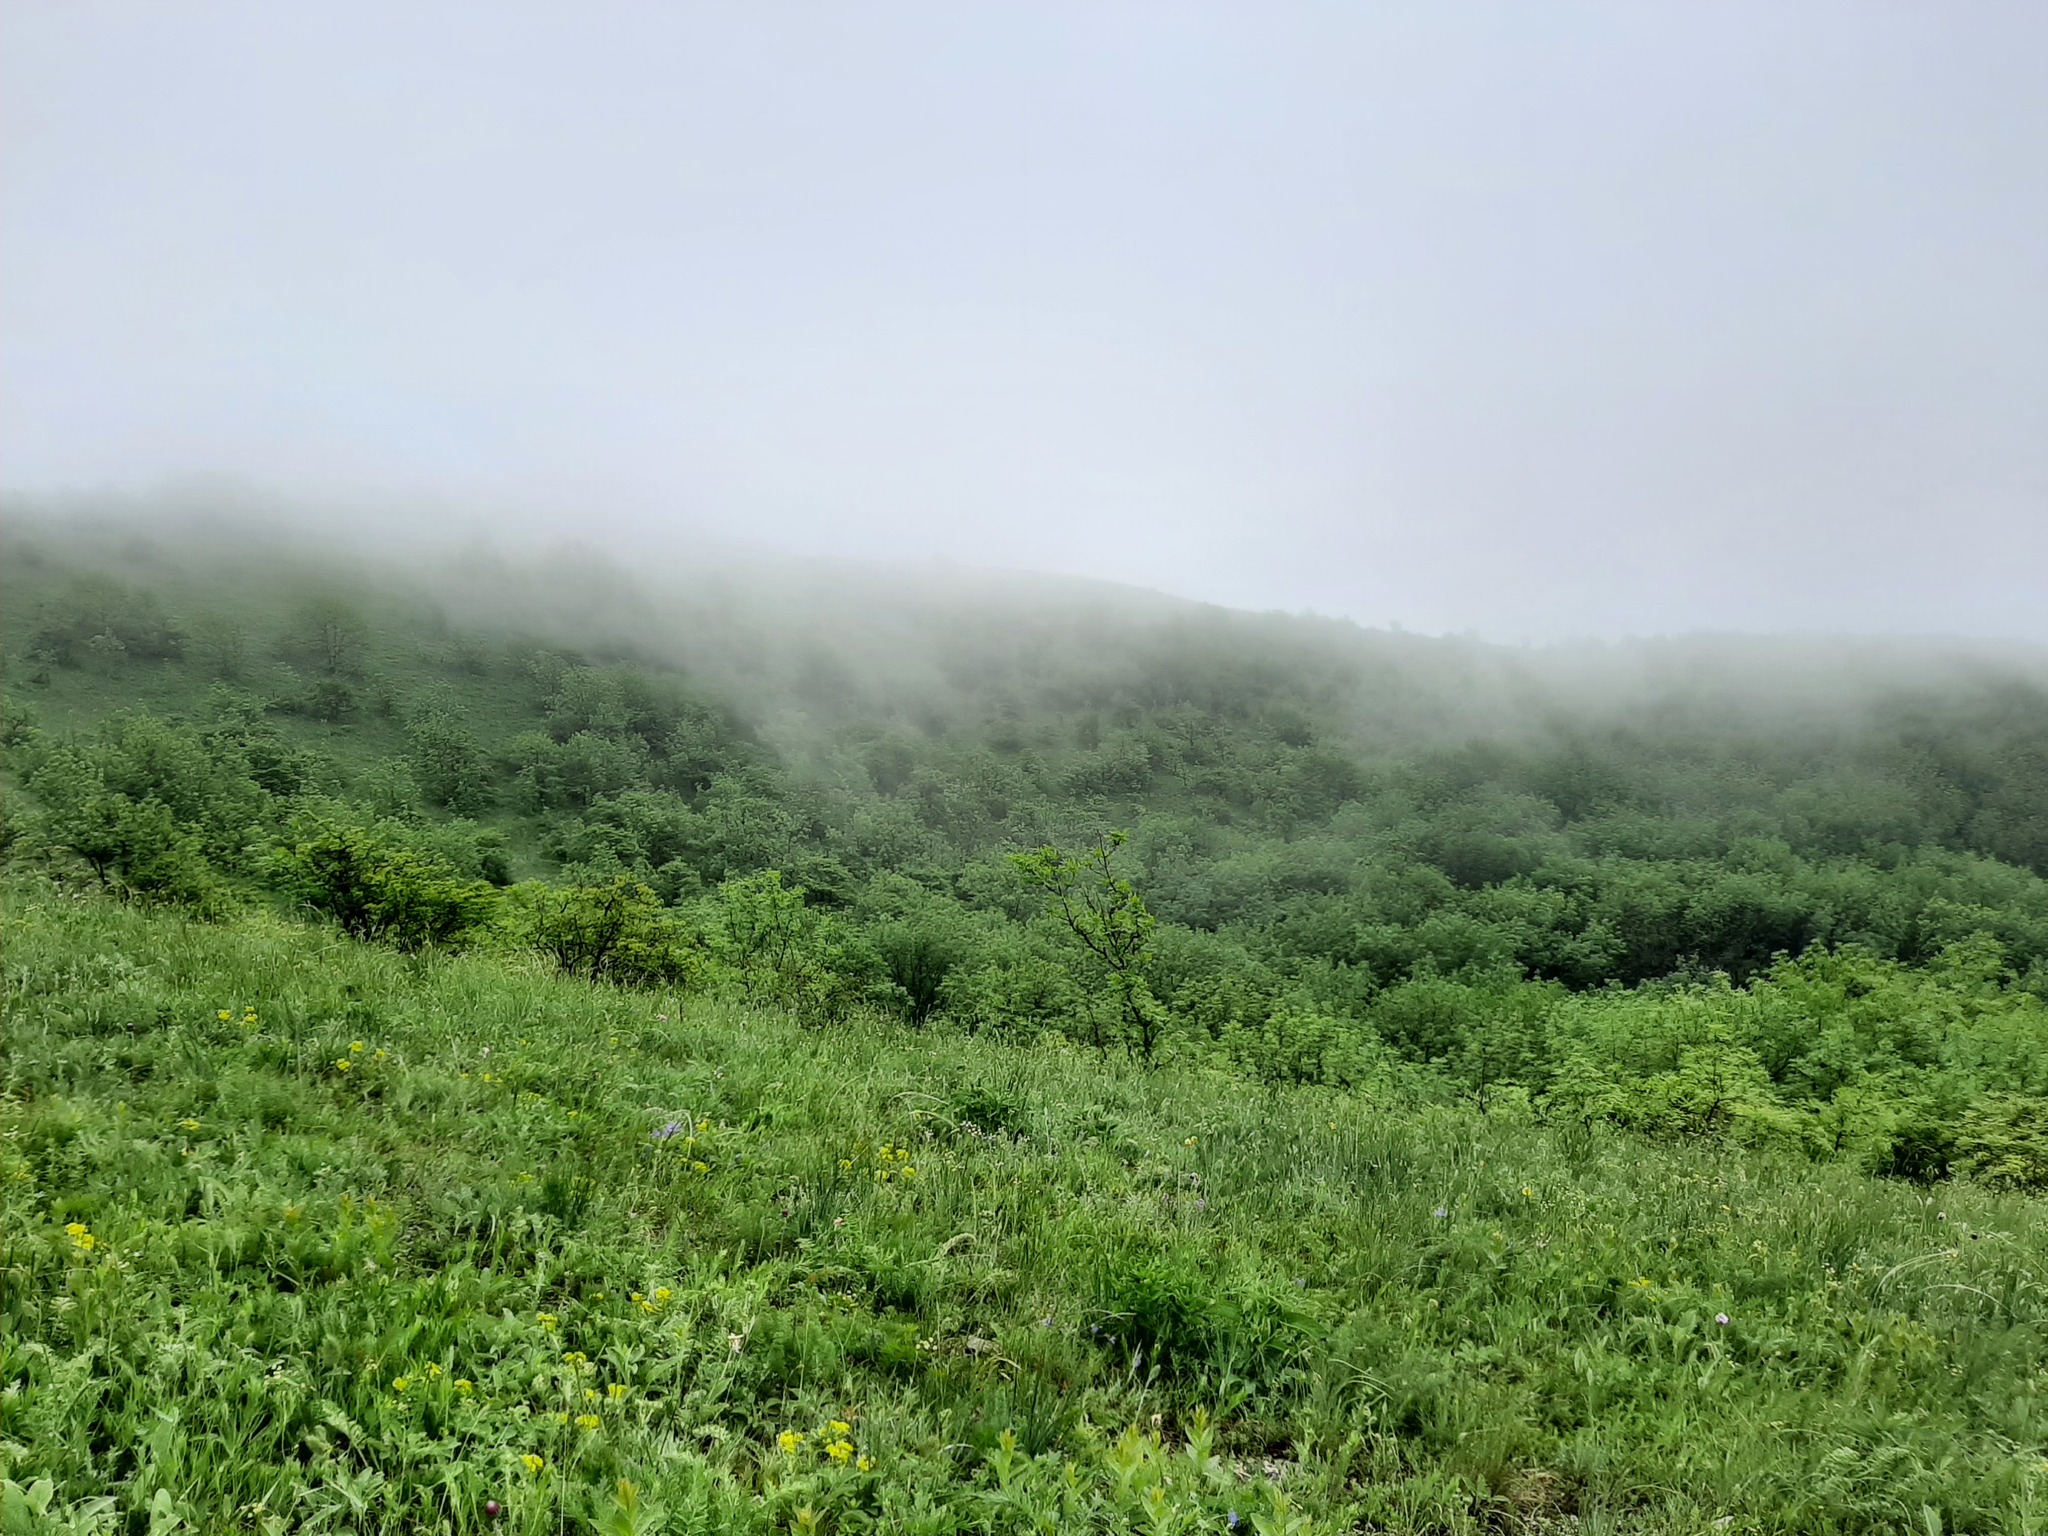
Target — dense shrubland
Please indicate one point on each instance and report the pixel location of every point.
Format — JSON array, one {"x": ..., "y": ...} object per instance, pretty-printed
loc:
[
  {"x": 1717, "y": 975},
  {"x": 1840, "y": 921}
]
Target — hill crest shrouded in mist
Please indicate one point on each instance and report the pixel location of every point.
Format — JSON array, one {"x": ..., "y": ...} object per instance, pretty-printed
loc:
[{"x": 846, "y": 634}]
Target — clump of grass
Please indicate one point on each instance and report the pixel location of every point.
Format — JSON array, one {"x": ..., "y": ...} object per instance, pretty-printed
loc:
[{"x": 303, "y": 1235}]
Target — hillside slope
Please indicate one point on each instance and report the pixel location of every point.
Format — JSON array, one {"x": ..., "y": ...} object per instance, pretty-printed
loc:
[
  {"x": 1347, "y": 852},
  {"x": 300, "y": 1234}
]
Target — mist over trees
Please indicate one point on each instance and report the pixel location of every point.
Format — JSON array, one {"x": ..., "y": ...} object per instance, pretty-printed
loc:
[{"x": 1658, "y": 884}]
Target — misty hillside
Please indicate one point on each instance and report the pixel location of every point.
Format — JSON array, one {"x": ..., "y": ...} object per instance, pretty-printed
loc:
[
  {"x": 517, "y": 1040},
  {"x": 1579, "y": 814}
]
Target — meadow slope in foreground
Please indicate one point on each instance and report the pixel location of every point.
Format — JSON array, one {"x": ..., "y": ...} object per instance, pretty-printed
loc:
[{"x": 301, "y": 1234}]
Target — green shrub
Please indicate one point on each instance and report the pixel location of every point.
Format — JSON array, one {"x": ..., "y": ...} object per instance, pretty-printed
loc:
[
  {"x": 2003, "y": 1140},
  {"x": 96, "y": 618},
  {"x": 155, "y": 810},
  {"x": 381, "y": 891},
  {"x": 784, "y": 951},
  {"x": 449, "y": 766},
  {"x": 617, "y": 932}
]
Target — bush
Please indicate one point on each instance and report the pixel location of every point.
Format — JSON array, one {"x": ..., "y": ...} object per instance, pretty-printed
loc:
[
  {"x": 155, "y": 810},
  {"x": 784, "y": 951},
  {"x": 101, "y": 620},
  {"x": 135, "y": 847},
  {"x": 382, "y": 892},
  {"x": 2004, "y": 1142},
  {"x": 450, "y": 767},
  {"x": 919, "y": 953},
  {"x": 617, "y": 932},
  {"x": 329, "y": 635}
]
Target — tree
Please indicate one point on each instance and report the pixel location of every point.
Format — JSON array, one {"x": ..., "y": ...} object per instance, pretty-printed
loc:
[
  {"x": 330, "y": 633},
  {"x": 449, "y": 766},
  {"x": 1104, "y": 911},
  {"x": 920, "y": 951},
  {"x": 380, "y": 891},
  {"x": 153, "y": 808},
  {"x": 99, "y": 618},
  {"x": 782, "y": 950},
  {"x": 614, "y": 931}
]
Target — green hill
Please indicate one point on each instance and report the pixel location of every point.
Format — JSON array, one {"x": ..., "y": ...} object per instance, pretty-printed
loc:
[{"x": 1363, "y": 1067}]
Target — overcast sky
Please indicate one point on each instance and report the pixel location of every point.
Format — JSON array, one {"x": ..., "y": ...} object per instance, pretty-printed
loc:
[{"x": 1530, "y": 319}]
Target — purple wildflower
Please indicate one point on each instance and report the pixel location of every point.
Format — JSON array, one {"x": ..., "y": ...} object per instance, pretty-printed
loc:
[
  {"x": 673, "y": 1128},
  {"x": 1440, "y": 1213},
  {"x": 1721, "y": 1318}
]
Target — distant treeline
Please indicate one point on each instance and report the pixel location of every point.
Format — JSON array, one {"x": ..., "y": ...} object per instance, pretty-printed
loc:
[{"x": 1688, "y": 916}]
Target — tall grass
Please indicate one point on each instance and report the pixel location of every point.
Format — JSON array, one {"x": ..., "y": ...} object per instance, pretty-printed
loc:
[{"x": 303, "y": 1235}]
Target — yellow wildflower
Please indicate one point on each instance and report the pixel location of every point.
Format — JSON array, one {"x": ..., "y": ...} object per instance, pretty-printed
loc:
[
  {"x": 789, "y": 1440},
  {"x": 355, "y": 1047},
  {"x": 700, "y": 1167},
  {"x": 839, "y": 1450},
  {"x": 663, "y": 1295},
  {"x": 188, "y": 1125},
  {"x": 531, "y": 1462},
  {"x": 588, "y": 1421},
  {"x": 401, "y": 1383},
  {"x": 225, "y": 1015},
  {"x": 81, "y": 1239},
  {"x": 840, "y": 1427},
  {"x": 342, "y": 1064},
  {"x": 547, "y": 1321},
  {"x": 464, "y": 1385},
  {"x": 866, "y": 1463},
  {"x": 616, "y": 1391},
  {"x": 433, "y": 1371}
]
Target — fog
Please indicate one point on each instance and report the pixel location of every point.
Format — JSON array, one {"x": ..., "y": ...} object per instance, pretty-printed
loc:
[{"x": 1529, "y": 321}]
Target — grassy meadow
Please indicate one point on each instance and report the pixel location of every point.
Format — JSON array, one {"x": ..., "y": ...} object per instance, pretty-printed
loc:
[{"x": 301, "y": 1234}]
